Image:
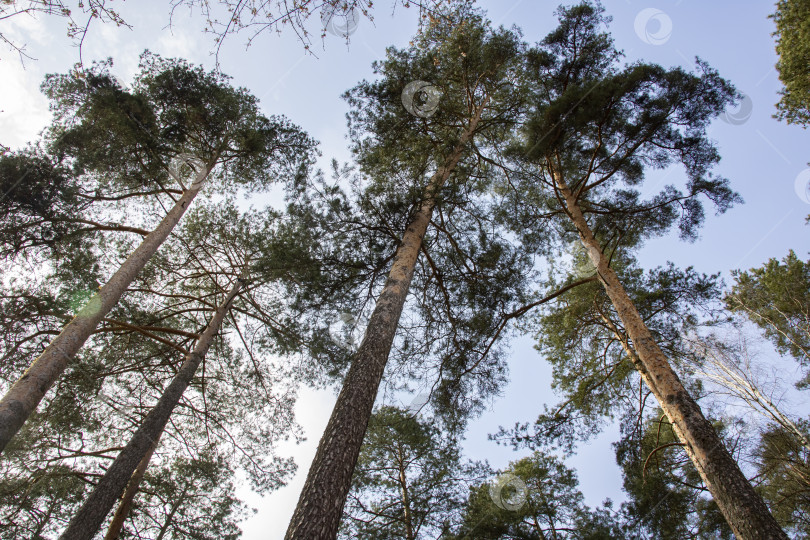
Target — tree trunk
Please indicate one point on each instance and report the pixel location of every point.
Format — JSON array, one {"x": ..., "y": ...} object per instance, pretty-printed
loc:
[
  {"x": 740, "y": 382},
  {"x": 320, "y": 506},
  {"x": 406, "y": 500},
  {"x": 22, "y": 398},
  {"x": 88, "y": 519},
  {"x": 133, "y": 486},
  {"x": 744, "y": 510},
  {"x": 168, "y": 521}
]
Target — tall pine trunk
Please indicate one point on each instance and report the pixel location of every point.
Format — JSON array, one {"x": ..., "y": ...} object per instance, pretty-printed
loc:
[
  {"x": 320, "y": 506},
  {"x": 125, "y": 504},
  {"x": 744, "y": 510},
  {"x": 24, "y": 396},
  {"x": 85, "y": 524}
]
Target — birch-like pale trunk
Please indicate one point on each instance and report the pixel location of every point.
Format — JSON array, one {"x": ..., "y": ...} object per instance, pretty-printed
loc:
[
  {"x": 320, "y": 506},
  {"x": 24, "y": 396},
  {"x": 125, "y": 504},
  {"x": 744, "y": 510},
  {"x": 87, "y": 521},
  {"x": 739, "y": 381}
]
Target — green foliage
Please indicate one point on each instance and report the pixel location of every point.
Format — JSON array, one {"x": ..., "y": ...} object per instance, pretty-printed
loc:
[
  {"x": 128, "y": 136},
  {"x": 583, "y": 339},
  {"x": 667, "y": 499},
  {"x": 776, "y": 297},
  {"x": 40, "y": 504},
  {"x": 549, "y": 505},
  {"x": 470, "y": 277},
  {"x": 195, "y": 499},
  {"x": 784, "y": 467},
  {"x": 104, "y": 171},
  {"x": 38, "y": 193},
  {"x": 467, "y": 61},
  {"x": 792, "y": 19},
  {"x": 597, "y": 125},
  {"x": 403, "y": 455}
]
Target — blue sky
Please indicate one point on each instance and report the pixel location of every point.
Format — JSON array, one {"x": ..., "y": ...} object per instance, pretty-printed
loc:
[{"x": 761, "y": 156}]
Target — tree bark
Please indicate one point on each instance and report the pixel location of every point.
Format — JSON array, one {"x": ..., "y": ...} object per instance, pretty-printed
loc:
[
  {"x": 744, "y": 510},
  {"x": 24, "y": 396},
  {"x": 320, "y": 506},
  {"x": 406, "y": 500},
  {"x": 88, "y": 519},
  {"x": 125, "y": 504}
]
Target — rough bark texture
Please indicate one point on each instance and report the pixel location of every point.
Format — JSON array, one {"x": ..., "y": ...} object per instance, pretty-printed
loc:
[
  {"x": 320, "y": 506},
  {"x": 125, "y": 504},
  {"x": 87, "y": 521},
  {"x": 744, "y": 510},
  {"x": 24, "y": 396}
]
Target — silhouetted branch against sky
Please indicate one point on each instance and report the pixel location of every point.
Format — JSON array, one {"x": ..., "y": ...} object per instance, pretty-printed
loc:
[
  {"x": 338, "y": 17},
  {"x": 222, "y": 17},
  {"x": 79, "y": 15}
]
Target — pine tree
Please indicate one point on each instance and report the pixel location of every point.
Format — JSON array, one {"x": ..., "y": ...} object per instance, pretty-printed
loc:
[
  {"x": 409, "y": 479},
  {"x": 129, "y": 138},
  {"x": 595, "y": 128},
  {"x": 534, "y": 498},
  {"x": 792, "y": 19},
  {"x": 88, "y": 519},
  {"x": 238, "y": 406},
  {"x": 468, "y": 62},
  {"x": 776, "y": 297}
]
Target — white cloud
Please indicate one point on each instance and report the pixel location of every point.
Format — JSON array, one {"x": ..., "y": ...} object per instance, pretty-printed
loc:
[{"x": 23, "y": 110}]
